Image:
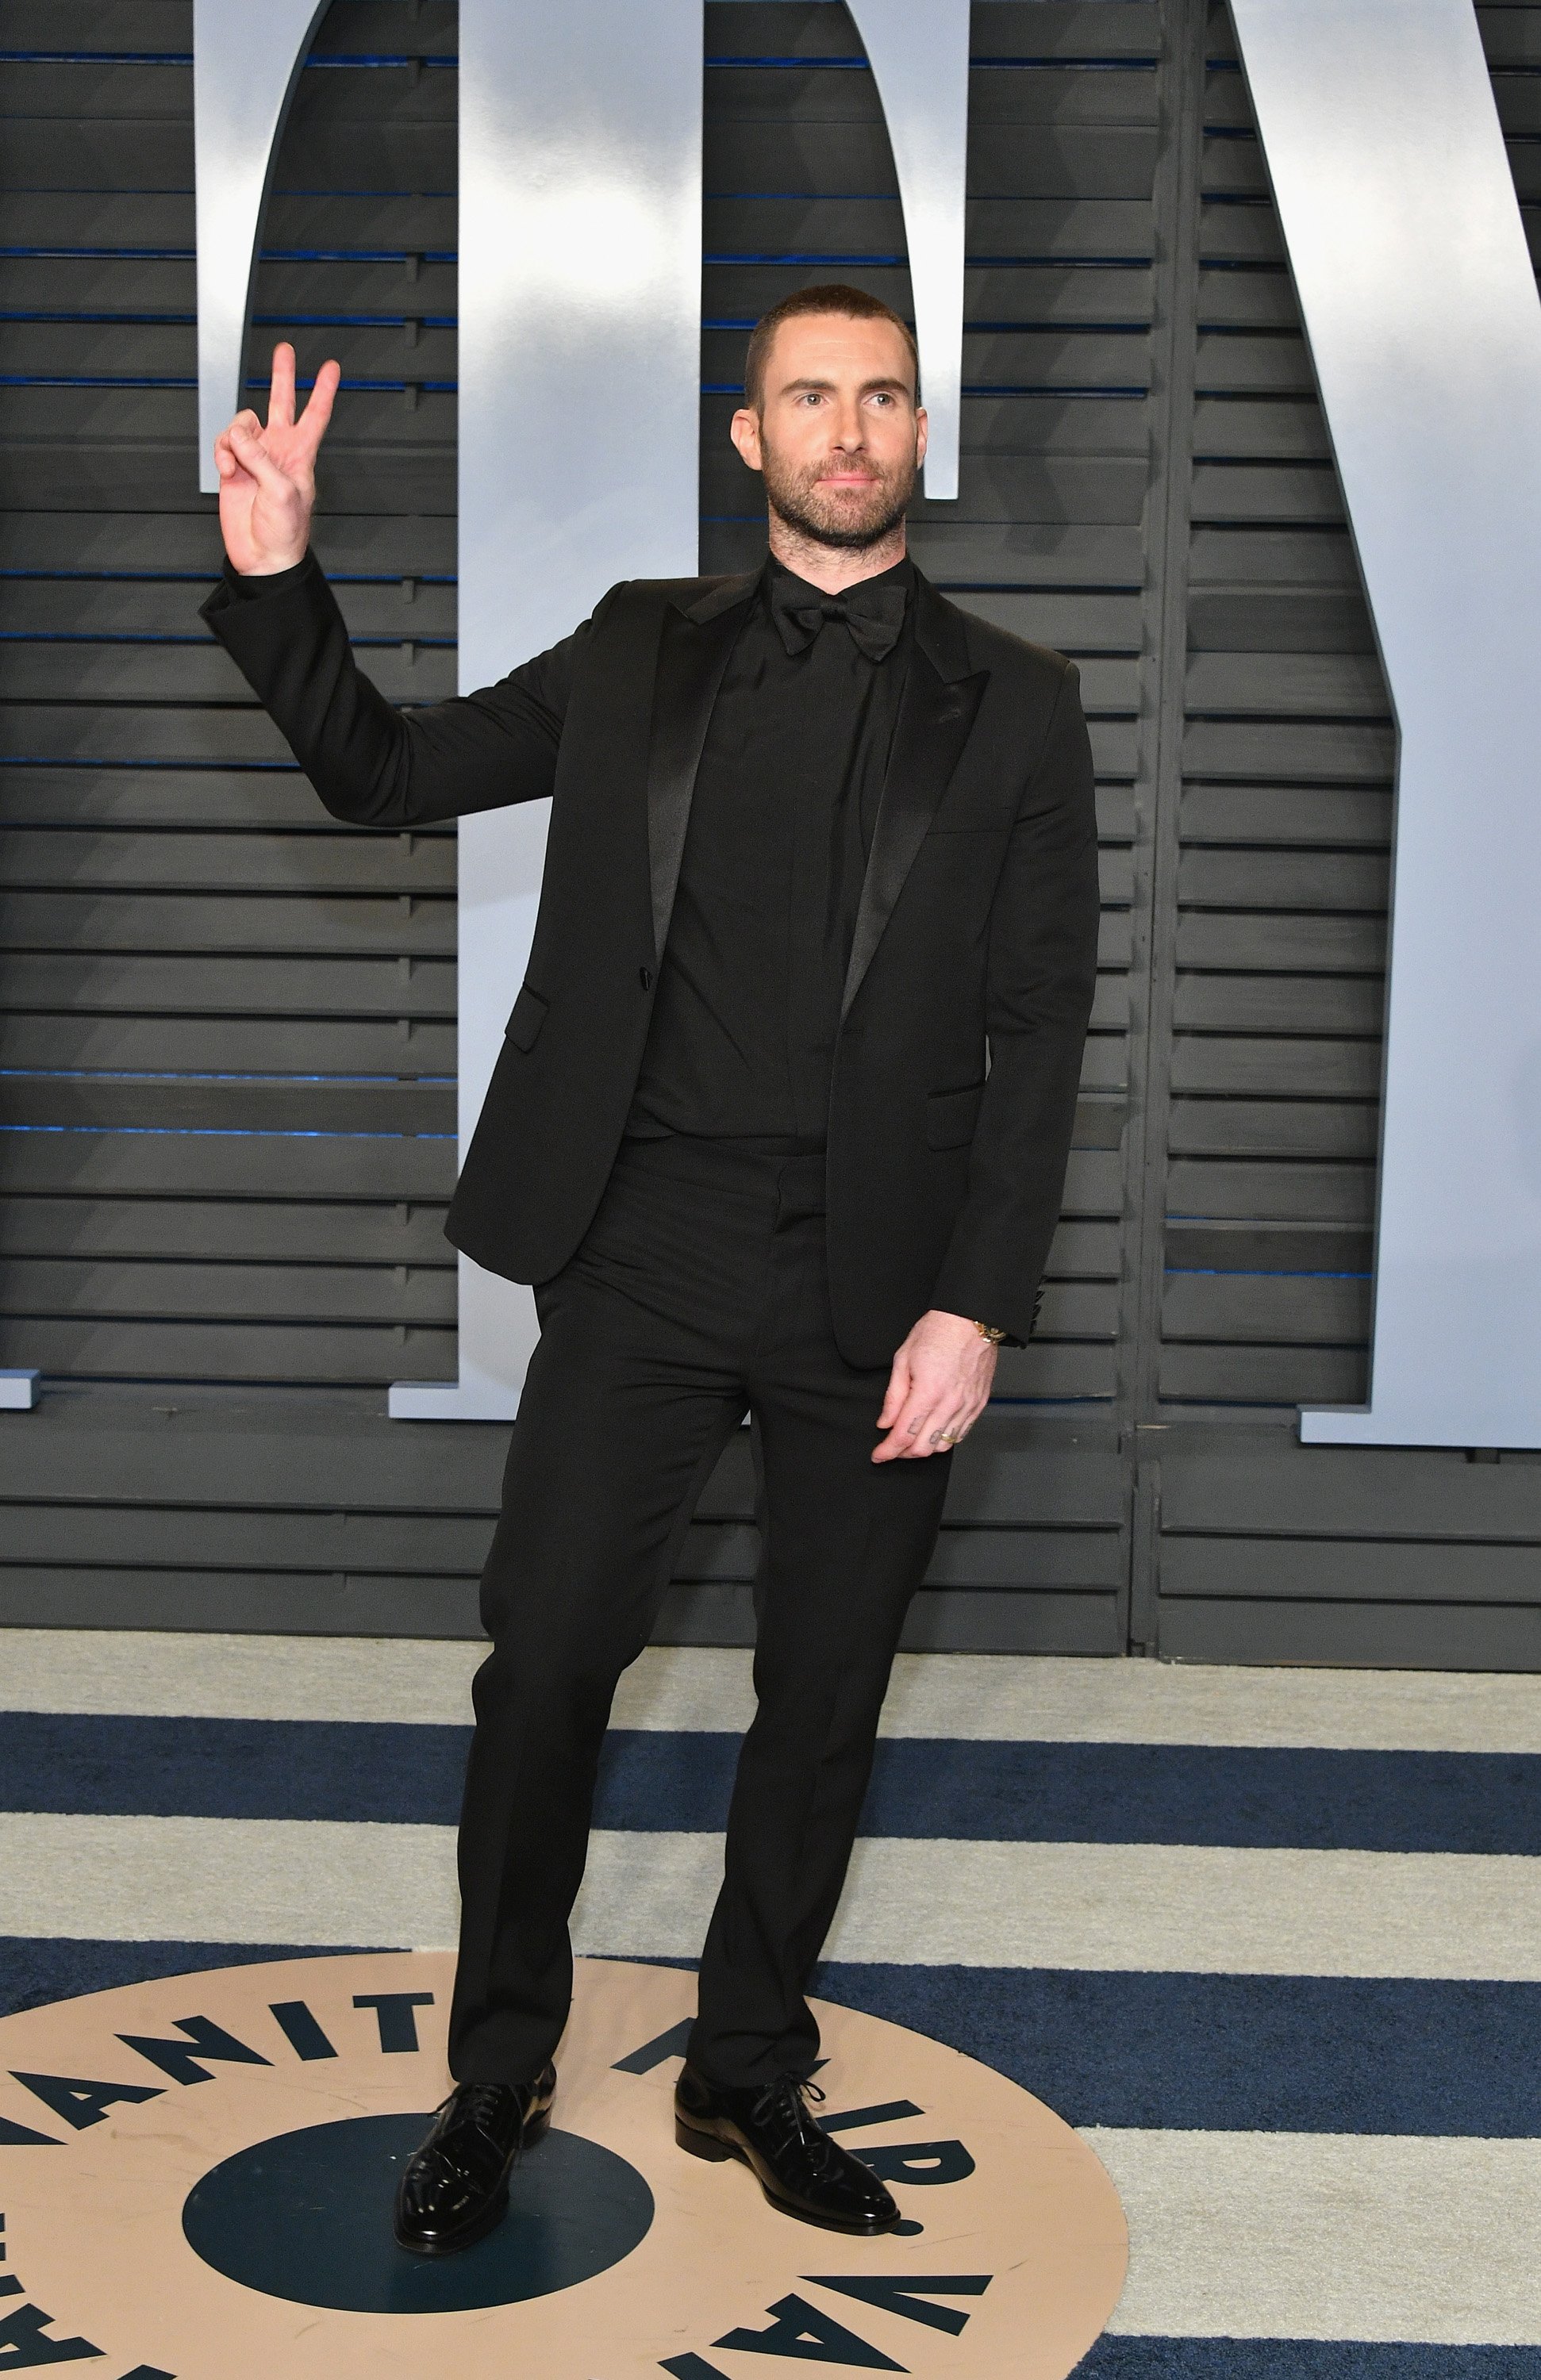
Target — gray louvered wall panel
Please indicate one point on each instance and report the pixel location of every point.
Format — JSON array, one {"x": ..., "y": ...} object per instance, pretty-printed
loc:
[
  {"x": 226, "y": 1047},
  {"x": 1267, "y": 1551}
]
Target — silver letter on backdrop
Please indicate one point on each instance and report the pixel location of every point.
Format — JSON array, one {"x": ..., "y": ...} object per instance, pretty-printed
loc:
[
  {"x": 580, "y": 232},
  {"x": 1420, "y": 303},
  {"x": 244, "y": 72}
]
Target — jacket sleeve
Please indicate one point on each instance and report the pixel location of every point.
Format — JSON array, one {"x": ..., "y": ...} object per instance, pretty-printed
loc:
[
  {"x": 371, "y": 764},
  {"x": 1041, "y": 976}
]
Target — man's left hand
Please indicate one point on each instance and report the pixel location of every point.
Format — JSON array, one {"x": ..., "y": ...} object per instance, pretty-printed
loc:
[{"x": 939, "y": 1387}]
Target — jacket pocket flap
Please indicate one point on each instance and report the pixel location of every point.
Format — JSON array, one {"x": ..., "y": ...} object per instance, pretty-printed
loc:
[
  {"x": 951, "y": 1115},
  {"x": 526, "y": 1018}
]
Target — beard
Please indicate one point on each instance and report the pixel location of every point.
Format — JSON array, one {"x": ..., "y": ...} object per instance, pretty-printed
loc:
[{"x": 844, "y": 517}]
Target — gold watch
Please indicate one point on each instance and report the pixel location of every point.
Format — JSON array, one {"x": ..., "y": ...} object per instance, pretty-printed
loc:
[{"x": 991, "y": 1331}]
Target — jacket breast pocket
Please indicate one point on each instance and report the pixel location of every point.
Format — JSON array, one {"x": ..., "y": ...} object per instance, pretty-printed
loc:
[
  {"x": 526, "y": 1018},
  {"x": 950, "y": 1116}
]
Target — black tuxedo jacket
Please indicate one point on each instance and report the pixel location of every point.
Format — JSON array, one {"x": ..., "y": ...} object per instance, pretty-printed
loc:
[{"x": 977, "y": 930}]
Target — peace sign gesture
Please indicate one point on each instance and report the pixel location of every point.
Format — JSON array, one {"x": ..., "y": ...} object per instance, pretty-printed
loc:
[{"x": 267, "y": 478}]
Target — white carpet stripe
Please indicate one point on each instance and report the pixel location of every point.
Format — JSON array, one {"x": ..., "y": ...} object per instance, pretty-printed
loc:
[
  {"x": 1105, "y": 1906},
  {"x": 1300, "y": 2235},
  {"x": 969, "y": 1696}
]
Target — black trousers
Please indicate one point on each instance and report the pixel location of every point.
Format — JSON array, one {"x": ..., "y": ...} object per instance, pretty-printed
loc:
[{"x": 698, "y": 1294}]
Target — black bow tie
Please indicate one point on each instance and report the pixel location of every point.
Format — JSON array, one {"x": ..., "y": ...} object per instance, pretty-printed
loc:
[{"x": 873, "y": 611}]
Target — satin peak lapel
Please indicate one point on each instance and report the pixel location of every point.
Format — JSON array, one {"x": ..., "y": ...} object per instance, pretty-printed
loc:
[
  {"x": 936, "y": 717},
  {"x": 693, "y": 653}
]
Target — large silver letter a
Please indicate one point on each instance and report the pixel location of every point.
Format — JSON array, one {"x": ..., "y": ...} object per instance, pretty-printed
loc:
[{"x": 1419, "y": 298}]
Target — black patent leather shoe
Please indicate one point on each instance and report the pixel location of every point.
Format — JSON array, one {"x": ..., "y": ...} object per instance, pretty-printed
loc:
[
  {"x": 800, "y": 2168},
  {"x": 454, "y": 2189}
]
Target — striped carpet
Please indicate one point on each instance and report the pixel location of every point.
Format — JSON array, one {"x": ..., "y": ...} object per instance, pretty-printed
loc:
[{"x": 1270, "y": 1938}]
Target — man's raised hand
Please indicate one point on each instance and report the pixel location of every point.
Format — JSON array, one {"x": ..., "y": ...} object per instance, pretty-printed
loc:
[{"x": 267, "y": 477}]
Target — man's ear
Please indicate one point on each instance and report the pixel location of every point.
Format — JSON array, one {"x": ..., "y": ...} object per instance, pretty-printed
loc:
[
  {"x": 921, "y": 432},
  {"x": 744, "y": 430}
]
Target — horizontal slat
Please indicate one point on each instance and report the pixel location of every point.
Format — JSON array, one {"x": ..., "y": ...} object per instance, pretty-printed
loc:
[
  {"x": 1265, "y": 1247},
  {"x": 1253, "y": 493},
  {"x": 1243, "y": 1309},
  {"x": 221, "y": 1165},
  {"x": 43, "y": 1102},
  {"x": 1241, "y": 554},
  {"x": 1232, "y": 166},
  {"x": 78, "y": 606},
  {"x": 1284, "y": 879},
  {"x": 1345, "y": 750},
  {"x": 1260, "y": 299},
  {"x": 208, "y": 984},
  {"x": 197, "y": 673},
  {"x": 1043, "y": 1370},
  {"x": 1263, "y": 1376},
  {"x": 233, "y": 1231},
  {"x": 1079, "y": 624},
  {"x": 229, "y": 1044},
  {"x": 199, "y": 1291},
  {"x": 1257, "y": 1486},
  {"x": 1309, "y": 684},
  {"x": 1274, "y": 429},
  {"x": 153, "y": 861},
  {"x": 1239, "y": 1127},
  {"x": 1300, "y": 1191},
  {"x": 1279, "y": 1003},
  {"x": 1252, "y": 363},
  {"x": 1276, "y": 620},
  {"x": 1281, "y": 945},
  {"x": 220, "y": 1351},
  {"x": 1347, "y": 1635},
  {"x": 186, "y": 541},
  {"x": 1287, "y": 814},
  {"x": 1425, "y": 1574},
  {"x": 1276, "y": 1068},
  {"x": 363, "y": 924}
]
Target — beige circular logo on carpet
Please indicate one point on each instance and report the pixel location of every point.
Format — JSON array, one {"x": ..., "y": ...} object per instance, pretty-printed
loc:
[{"x": 196, "y": 2176}]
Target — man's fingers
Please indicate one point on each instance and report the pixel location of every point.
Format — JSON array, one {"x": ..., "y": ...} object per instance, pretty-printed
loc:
[
  {"x": 908, "y": 1435},
  {"x": 895, "y": 1393},
  {"x": 250, "y": 453},
  {"x": 946, "y": 1429},
  {"x": 318, "y": 406},
  {"x": 281, "y": 391}
]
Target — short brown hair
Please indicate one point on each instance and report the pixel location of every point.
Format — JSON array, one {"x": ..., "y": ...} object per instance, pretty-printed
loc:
[{"x": 825, "y": 298}]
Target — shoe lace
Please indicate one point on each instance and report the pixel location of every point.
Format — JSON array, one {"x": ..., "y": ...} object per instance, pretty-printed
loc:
[
  {"x": 786, "y": 2096},
  {"x": 479, "y": 2102}
]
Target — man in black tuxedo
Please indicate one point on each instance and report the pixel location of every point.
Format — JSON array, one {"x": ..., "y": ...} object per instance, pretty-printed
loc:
[{"x": 819, "y": 842}]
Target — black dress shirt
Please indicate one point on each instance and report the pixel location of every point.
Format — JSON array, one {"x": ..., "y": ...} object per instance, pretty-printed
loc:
[{"x": 747, "y": 1005}]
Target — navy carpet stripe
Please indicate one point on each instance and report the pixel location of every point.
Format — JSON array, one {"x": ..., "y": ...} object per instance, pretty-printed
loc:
[
  {"x": 1300, "y": 2359},
  {"x": 1232, "y": 2053},
  {"x": 1039, "y": 1792},
  {"x": 34, "y": 1972}
]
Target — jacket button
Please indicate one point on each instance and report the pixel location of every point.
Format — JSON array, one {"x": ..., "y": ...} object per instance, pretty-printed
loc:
[{"x": 645, "y": 978}]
